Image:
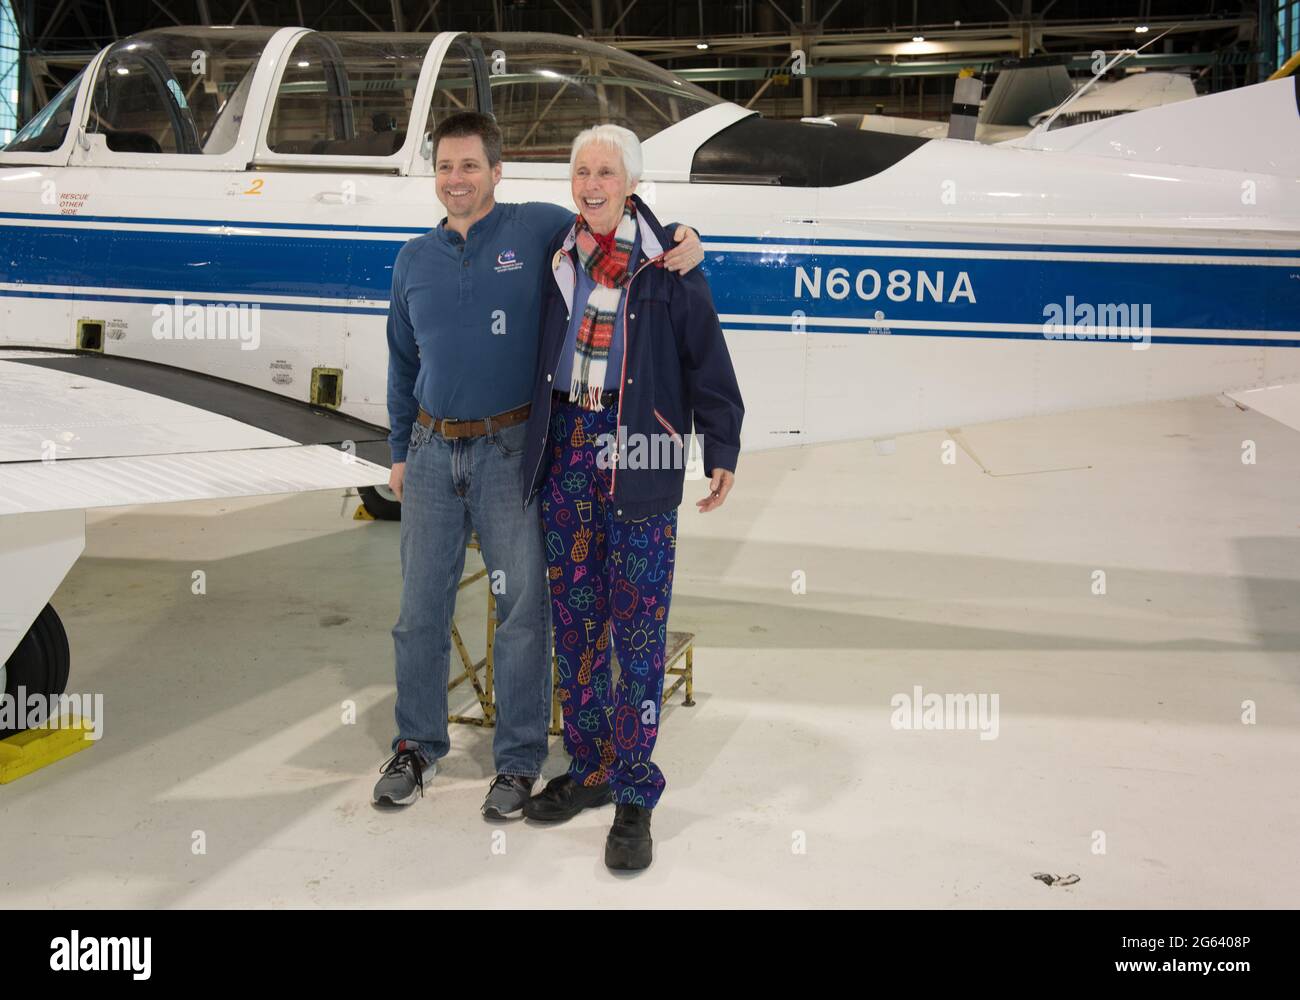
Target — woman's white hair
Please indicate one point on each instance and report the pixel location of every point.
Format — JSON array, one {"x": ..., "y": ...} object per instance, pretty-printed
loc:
[{"x": 624, "y": 140}]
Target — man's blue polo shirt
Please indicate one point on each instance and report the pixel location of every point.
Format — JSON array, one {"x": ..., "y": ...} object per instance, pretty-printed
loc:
[{"x": 464, "y": 319}]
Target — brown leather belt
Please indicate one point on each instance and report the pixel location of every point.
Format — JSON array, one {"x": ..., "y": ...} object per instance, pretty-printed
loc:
[{"x": 451, "y": 428}]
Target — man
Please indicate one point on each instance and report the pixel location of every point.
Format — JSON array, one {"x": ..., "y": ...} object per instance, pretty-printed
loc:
[{"x": 462, "y": 346}]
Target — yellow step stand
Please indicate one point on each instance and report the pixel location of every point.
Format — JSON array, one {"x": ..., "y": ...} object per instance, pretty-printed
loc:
[{"x": 32, "y": 749}]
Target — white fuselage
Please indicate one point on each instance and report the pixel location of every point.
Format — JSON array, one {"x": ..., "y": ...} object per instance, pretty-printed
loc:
[{"x": 956, "y": 286}]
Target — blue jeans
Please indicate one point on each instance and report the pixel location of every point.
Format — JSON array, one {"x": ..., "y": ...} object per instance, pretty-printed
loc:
[{"x": 451, "y": 486}]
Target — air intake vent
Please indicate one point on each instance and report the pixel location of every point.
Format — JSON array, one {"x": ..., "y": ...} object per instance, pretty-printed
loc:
[
  {"x": 327, "y": 387},
  {"x": 90, "y": 335}
]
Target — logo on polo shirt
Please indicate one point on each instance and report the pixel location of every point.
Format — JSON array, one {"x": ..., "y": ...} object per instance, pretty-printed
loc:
[{"x": 506, "y": 261}]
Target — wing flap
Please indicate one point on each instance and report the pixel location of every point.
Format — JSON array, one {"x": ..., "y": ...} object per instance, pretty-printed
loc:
[
  {"x": 1280, "y": 402},
  {"x": 73, "y": 484}
]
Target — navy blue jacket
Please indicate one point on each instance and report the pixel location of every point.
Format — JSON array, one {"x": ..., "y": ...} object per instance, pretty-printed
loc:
[{"x": 679, "y": 373}]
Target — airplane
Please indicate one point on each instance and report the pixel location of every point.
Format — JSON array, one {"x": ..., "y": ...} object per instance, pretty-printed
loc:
[
  {"x": 1021, "y": 87},
  {"x": 1134, "y": 92},
  {"x": 1029, "y": 91},
  {"x": 199, "y": 231}
]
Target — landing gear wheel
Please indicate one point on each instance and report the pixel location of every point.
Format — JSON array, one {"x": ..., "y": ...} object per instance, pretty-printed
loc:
[
  {"x": 381, "y": 502},
  {"x": 41, "y": 661}
]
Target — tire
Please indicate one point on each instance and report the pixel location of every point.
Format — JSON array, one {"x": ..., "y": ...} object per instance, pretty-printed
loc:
[
  {"x": 41, "y": 662},
  {"x": 380, "y": 503}
]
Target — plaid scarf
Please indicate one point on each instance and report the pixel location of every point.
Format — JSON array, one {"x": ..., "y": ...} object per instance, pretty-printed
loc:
[{"x": 611, "y": 273}]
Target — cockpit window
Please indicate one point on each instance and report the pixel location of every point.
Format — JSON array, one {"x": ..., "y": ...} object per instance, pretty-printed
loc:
[
  {"x": 454, "y": 90},
  {"x": 545, "y": 90},
  {"x": 176, "y": 91},
  {"x": 46, "y": 131},
  {"x": 346, "y": 95}
]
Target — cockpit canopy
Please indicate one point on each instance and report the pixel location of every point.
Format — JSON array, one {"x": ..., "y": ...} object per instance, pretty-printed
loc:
[
  {"x": 186, "y": 91},
  {"x": 290, "y": 98}
]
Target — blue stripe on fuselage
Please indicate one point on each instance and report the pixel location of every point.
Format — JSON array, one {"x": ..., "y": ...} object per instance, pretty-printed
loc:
[
  {"x": 821, "y": 285},
  {"x": 201, "y": 263},
  {"x": 1243, "y": 296}
]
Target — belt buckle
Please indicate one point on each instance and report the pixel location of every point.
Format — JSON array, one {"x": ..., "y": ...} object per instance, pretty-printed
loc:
[{"x": 445, "y": 422}]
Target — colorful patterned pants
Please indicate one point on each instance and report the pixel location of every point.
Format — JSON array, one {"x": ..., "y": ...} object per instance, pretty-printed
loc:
[{"x": 607, "y": 578}]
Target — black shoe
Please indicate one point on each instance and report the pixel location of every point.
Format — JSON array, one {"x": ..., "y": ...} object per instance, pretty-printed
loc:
[
  {"x": 563, "y": 798},
  {"x": 628, "y": 847}
]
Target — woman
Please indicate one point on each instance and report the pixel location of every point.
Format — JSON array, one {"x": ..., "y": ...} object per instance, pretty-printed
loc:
[{"x": 630, "y": 357}]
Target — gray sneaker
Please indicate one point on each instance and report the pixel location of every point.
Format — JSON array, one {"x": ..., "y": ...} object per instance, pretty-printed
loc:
[
  {"x": 507, "y": 796},
  {"x": 403, "y": 780}
]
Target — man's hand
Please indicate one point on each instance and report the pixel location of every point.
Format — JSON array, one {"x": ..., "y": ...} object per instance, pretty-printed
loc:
[
  {"x": 688, "y": 253},
  {"x": 395, "y": 478},
  {"x": 720, "y": 486}
]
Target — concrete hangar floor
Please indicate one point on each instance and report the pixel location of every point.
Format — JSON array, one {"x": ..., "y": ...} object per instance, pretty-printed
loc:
[{"x": 1121, "y": 755}]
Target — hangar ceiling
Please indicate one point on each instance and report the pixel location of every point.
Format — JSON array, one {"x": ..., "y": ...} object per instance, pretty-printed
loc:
[{"x": 898, "y": 57}]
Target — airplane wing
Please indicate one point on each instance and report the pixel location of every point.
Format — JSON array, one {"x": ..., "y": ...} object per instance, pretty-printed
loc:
[
  {"x": 87, "y": 430},
  {"x": 1281, "y": 402},
  {"x": 80, "y": 431}
]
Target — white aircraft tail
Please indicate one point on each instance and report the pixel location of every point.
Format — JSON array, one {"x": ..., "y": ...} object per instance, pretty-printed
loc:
[{"x": 1252, "y": 129}]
